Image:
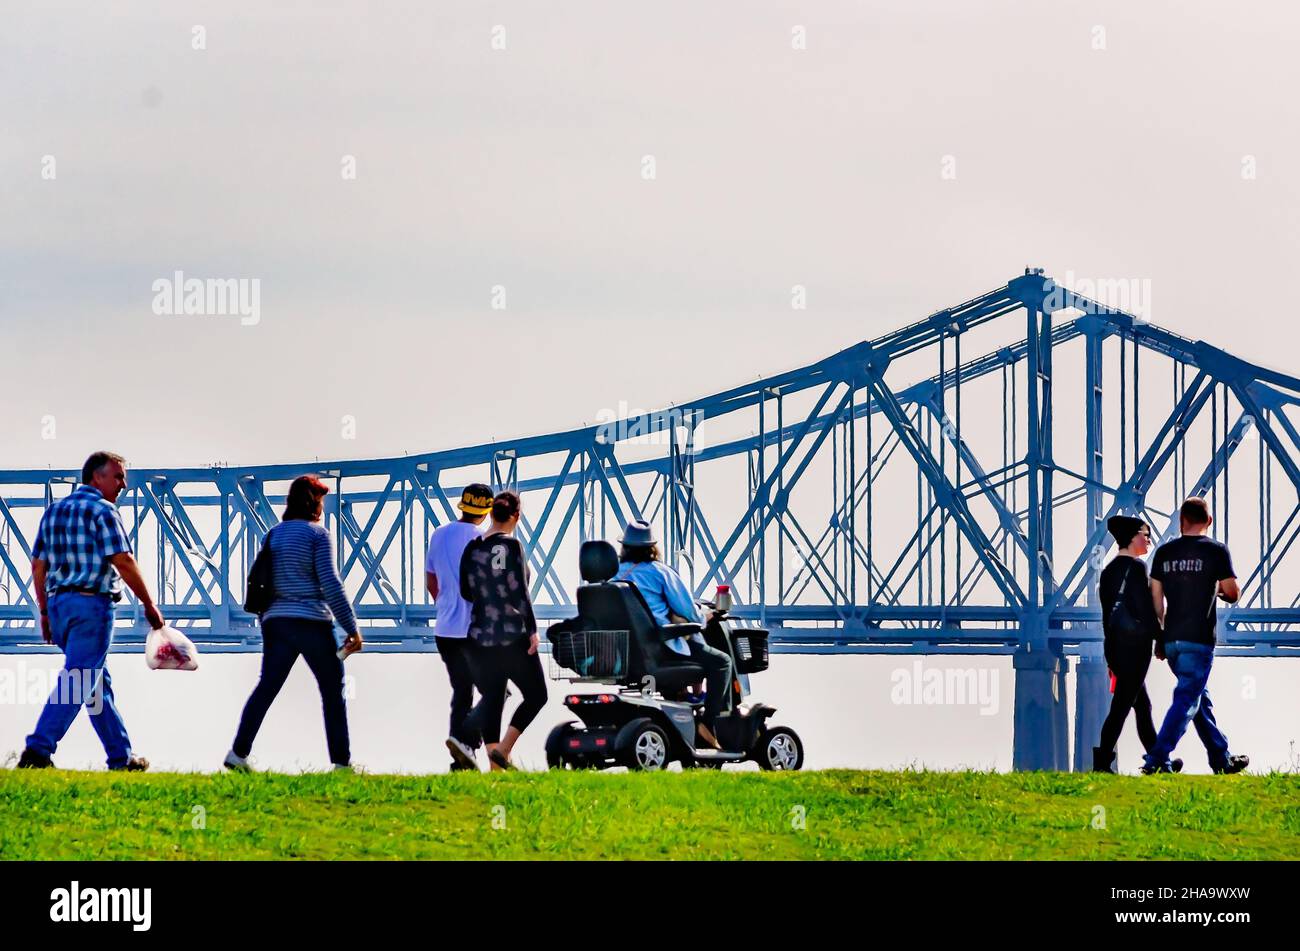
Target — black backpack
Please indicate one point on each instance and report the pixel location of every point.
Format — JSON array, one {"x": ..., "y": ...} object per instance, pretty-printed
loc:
[
  {"x": 1122, "y": 622},
  {"x": 260, "y": 591}
]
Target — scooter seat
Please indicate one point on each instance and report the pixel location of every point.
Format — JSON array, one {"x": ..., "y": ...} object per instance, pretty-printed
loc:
[{"x": 676, "y": 677}]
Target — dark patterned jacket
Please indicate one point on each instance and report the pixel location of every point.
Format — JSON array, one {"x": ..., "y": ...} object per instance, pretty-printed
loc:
[{"x": 494, "y": 580}]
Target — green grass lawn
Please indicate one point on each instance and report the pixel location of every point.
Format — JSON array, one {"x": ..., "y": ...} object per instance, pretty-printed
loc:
[{"x": 837, "y": 814}]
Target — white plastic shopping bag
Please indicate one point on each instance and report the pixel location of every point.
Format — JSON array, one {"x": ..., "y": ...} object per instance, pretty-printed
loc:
[{"x": 169, "y": 649}]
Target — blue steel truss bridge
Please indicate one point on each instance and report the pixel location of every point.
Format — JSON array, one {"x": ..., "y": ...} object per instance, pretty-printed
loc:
[{"x": 940, "y": 489}]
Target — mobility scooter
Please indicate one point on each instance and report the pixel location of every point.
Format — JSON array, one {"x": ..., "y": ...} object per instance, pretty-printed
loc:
[{"x": 646, "y": 717}]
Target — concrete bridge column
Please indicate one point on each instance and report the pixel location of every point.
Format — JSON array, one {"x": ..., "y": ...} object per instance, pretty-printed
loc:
[
  {"x": 1091, "y": 703},
  {"x": 1041, "y": 739}
]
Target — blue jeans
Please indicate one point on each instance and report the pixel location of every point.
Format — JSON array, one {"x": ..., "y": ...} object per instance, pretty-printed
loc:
[
  {"x": 1191, "y": 664},
  {"x": 284, "y": 640},
  {"x": 82, "y": 627}
]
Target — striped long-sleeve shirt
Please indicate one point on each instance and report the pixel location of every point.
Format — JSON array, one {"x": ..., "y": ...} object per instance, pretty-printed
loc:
[{"x": 307, "y": 583}]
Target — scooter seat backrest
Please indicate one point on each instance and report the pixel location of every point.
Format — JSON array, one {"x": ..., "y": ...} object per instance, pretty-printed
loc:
[
  {"x": 602, "y": 607},
  {"x": 619, "y": 606},
  {"x": 597, "y": 561}
]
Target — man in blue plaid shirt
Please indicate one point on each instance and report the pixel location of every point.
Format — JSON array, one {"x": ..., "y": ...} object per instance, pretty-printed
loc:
[{"x": 80, "y": 559}]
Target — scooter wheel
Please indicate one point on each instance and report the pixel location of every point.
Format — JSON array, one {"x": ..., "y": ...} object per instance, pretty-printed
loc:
[
  {"x": 555, "y": 742},
  {"x": 647, "y": 749},
  {"x": 779, "y": 748}
]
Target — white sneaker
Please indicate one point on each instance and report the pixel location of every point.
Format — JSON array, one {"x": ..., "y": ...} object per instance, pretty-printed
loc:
[
  {"x": 237, "y": 763},
  {"x": 339, "y": 768},
  {"x": 462, "y": 754}
]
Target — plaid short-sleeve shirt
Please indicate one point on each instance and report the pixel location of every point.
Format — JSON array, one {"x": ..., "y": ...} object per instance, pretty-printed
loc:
[{"x": 77, "y": 536}]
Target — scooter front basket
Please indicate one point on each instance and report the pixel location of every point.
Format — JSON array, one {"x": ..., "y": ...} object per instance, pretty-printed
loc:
[{"x": 751, "y": 649}]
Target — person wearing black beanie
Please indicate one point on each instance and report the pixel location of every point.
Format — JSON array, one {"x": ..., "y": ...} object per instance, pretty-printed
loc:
[{"x": 1128, "y": 619}]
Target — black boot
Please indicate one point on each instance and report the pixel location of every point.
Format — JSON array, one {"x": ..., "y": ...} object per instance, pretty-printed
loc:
[
  {"x": 34, "y": 760},
  {"x": 1103, "y": 761}
]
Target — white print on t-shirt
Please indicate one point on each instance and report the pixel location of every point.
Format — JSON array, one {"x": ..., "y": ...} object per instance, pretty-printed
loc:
[
  {"x": 499, "y": 554},
  {"x": 1183, "y": 564}
]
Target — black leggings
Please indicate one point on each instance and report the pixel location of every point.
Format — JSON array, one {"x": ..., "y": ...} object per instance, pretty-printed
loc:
[
  {"x": 1130, "y": 670},
  {"x": 283, "y": 640},
  {"x": 492, "y": 667}
]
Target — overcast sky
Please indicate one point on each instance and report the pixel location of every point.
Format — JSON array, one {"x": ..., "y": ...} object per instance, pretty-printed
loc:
[
  {"x": 522, "y": 168},
  {"x": 890, "y": 158}
]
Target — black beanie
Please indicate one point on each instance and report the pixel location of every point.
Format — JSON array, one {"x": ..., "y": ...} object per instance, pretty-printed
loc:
[{"x": 1123, "y": 528}]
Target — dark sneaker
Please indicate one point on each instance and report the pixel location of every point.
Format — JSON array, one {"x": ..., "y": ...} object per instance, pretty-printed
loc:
[
  {"x": 1150, "y": 770},
  {"x": 1235, "y": 764},
  {"x": 136, "y": 764},
  {"x": 462, "y": 754},
  {"x": 499, "y": 760},
  {"x": 34, "y": 760},
  {"x": 1175, "y": 766}
]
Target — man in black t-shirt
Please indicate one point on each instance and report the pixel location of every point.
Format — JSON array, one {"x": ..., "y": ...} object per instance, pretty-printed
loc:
[{"x": 1188, "y": 575}]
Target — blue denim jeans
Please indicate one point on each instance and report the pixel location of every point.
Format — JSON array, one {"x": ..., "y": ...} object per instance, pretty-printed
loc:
[
  {"x": 284, "y": 640},
  {"x": 82, "y": 627},
  {"x": 1191, "y": 663}
]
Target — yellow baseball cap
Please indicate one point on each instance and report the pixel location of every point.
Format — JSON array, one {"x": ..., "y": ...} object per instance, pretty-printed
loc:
[{"x": 476, "y": 499}]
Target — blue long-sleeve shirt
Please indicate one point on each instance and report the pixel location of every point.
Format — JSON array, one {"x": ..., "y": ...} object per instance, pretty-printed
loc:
[
  {"x": 307, "y": 583},
  {"x": 664, "y": 592}
]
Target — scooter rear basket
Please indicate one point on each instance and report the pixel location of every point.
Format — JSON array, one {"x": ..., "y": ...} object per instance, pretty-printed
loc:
[{"x": 589, "y": 655}]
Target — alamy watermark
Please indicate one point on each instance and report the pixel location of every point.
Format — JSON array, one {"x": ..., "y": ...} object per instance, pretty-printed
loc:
[
  {"x": 1132, "y": 295},
  {"x": 952, "y": 686},
  {"x": 179, "y": 296},
  {"x": 641, "y": 428},
  {"x": 74, "y": 904},
  {"x": 32, "y": 686}
]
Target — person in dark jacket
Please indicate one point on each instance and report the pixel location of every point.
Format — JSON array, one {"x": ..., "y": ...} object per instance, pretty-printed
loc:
[
  {"x": 1124, "y": 582},
  {"x": 502, "y": 638},
  {"x": 308, "y": 592}
]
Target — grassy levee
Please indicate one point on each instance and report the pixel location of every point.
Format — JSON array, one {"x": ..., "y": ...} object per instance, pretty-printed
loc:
[{"x": 837, "y": 814}]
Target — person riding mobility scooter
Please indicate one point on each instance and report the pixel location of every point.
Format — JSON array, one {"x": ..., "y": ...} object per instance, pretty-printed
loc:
[{"x": 649, "y": 719}]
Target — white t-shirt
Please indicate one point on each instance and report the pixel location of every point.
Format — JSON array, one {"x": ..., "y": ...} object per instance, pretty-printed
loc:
[{"x": 445, "y": 549}]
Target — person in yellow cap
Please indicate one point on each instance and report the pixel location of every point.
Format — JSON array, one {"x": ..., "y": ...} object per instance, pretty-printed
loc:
[{"x": 451, "y": 627}]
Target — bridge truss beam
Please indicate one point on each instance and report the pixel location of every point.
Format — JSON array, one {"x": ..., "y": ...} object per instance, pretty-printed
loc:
[{"x": 896, "y": 498}]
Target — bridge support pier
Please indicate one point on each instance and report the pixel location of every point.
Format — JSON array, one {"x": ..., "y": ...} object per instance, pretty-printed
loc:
[
  {"x": 1041, "y": 739},
  {"x": 1091, "y": 703}
]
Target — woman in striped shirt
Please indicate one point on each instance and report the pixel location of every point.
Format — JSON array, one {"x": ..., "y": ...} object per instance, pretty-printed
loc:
[{"x": 307, "y": 593}]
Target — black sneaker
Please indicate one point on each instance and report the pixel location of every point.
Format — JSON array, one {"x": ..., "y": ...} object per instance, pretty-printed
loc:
[
  {"x": 1149, "y": 770},
  {"x": 136, "y": 764},
  {"x": 1175, "y": 766},
  {"x": 34, "y": 760},
  {"x": 1235, "y": 764},
  {"x": 499, "y": 760}
]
